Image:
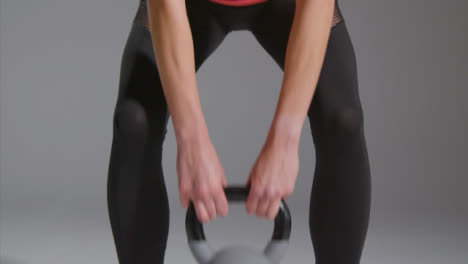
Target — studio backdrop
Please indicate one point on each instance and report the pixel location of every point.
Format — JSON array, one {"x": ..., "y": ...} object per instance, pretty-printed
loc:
[{"x": 60, "y": 63}]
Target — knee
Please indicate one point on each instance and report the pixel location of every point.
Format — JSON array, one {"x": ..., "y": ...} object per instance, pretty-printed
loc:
[
  {"x": 130, "y": 119},
  {"x": 345, "y": 120}
]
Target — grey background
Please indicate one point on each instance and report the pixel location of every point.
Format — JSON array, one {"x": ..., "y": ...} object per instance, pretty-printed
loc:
[{"x": 59, "y": 76}]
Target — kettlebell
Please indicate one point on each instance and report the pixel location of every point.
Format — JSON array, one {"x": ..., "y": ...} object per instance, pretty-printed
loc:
[{"x": 238, "y": 254}]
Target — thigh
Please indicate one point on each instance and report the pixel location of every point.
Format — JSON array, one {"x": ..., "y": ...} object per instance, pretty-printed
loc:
[
  {"x": 337, "y": 84},
  {"x": 140, "y": 103},
  {"x": 273, "y": 26},
  {"x": 140, "y": 82},
  {"x": 337, "y": 94}
]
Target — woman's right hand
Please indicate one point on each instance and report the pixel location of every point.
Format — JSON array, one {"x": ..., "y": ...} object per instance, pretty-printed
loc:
[{"x": 201, "y": 179}]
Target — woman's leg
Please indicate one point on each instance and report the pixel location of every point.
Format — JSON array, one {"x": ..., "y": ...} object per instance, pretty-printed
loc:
[
  {"x": 136, "y": 191},
  {"x": 340, "y": 198}
]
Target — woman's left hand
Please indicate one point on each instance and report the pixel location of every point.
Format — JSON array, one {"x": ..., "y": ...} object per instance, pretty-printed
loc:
[{"x": 273, "y": 176}]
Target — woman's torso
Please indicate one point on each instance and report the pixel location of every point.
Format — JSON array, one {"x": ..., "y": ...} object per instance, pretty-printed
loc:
[
  {"x": 238, "y": 2},
  {"x": 142, "y": 15}
]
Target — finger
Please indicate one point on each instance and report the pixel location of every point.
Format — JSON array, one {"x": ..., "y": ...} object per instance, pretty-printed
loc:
[
  {"x": 262, "y": 206},
  {"x": 224, "y": 182},
  {"x": 253, "y": 199},
  {"x": 201, "y": 211},
  {"x": 184, "y": 201},
  {"x": 273, "y": 208},
  {"x": 251, "y": 204},
  {"x": 184, "y": 196},
  {"x": 248, "y": 182},
  {"x": 249, "y": 179},
  {"x": 210, "y": 208},
  {"x": 202, "y": 195},
  {"x": 288, "y": 192},
  {"x": 221, "y": 203}
]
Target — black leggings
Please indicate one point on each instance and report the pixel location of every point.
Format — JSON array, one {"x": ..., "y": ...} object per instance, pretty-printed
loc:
[{"x": 136, "y": 192}]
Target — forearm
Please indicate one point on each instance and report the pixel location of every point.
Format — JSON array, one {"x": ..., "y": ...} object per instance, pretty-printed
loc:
[
  {"x": 304, "y": 58},
  {"x": 174, "y": 54}
]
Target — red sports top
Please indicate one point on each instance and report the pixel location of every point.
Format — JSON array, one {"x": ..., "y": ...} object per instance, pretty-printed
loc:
[{"x": 238, "y": 2}]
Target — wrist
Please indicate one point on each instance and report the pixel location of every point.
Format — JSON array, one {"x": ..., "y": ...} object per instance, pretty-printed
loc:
[
  {"x": 194, "y": 131},
  {"x": 285, "y": 130}
]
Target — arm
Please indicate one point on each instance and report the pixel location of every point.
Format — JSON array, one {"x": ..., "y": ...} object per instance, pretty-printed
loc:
[
  {"x": 274, "y": 173},
  {"x": 200, "y": 173},
  {"x": 174, "y": 53},
  {"x": 304, "y": 57}
]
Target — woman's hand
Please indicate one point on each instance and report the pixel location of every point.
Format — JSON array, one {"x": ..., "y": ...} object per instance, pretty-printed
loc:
[
  {"x": 201, "y": 179},
  {"x": 273, "y": 176}
]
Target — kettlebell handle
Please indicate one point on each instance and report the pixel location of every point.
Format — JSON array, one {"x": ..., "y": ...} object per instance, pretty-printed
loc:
[{"x": 275, "y": 248}]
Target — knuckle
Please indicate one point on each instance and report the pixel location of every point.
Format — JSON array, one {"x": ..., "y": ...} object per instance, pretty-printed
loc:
[
  {"x": 271, "y": 192},
  {"x": 202, "y": 192},
  {"x": 185, "y": 190},
  {"x": 203, "y": 219},
  {"x": 259, "y": 213},
  {"x": 184, "y": 200},
  {"x": 208, "y": 217},
  {"x": 185, "y": 194},
  {"x": 271, "y": 216},
  {"x": 201, "y": 216},
  {"x": 288, "y": 190},
  {"x": 257, "y": 190},
  {"x": 224, "y": 211},
  {"x": 212, "y": 217},
  {"x": 212, "y": 213},
  {"x": 217, "y": 191}
]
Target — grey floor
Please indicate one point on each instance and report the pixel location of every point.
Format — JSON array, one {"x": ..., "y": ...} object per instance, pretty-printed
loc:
[{"x": 70, "y": 231}]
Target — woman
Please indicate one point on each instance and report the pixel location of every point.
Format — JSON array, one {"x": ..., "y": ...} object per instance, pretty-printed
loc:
[{"x": 309, "y": 40}]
